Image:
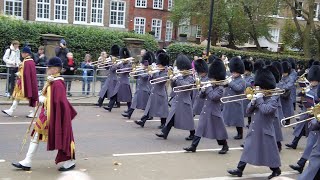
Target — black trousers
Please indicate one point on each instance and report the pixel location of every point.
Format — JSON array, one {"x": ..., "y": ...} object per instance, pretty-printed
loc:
[
  {"x": 11, "y": 79},
  {"x": 113, "y": 100},
  {"x": 242, "y": 165}
]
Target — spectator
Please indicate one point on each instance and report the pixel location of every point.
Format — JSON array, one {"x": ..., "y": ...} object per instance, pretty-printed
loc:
[
  {"x": 62, "y": 50},
  {"x": 87, "y": 68},
  {"x": 12, "y": 60},
  {"x": 41, "y": 63},
  {"x": 102, "y": 73},
  {"x": 69, "y": 67}
]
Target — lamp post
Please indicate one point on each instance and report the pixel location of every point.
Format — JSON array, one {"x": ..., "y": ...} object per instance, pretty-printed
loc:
[{"x": 210, "y": 27}]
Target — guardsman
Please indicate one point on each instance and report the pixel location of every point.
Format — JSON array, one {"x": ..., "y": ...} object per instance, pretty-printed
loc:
[
  {"x": 248, "y": 77},
  {"x": 26, "y": 87},
  {"x": 157, "y": 105},
  {"x": 286, "y": 83},
  {"x": 294, "y": 75},
  {"x": 112, "y": 79},
  {"x": 141, "y": 96},
  {"x": 211, "y": 123},
  {"x": 260, "y": 144},
  {"x": 201, "y": 68},
  {"x": 181, "y": 115},
  {"x": 122, "y": 90},
  {"x": 310, "y": 98},
  {"x": 233, "y": 112},
  {"x": 277, "y": 122},
  {"x": 54, "y": 124}
]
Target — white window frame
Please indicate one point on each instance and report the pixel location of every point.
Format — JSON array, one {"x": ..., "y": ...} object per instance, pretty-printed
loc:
[
  {"x": 124, "y": 14},
  {"x": 74, "y": 14},
  {"x": 141, "y": 2},
  {"x": 97, "y": 9},
  {"x": 275, "y": 34},
  {"x": 139, "y": 25},
  {"x": 153, "y": 28},
  {"x": 299, "y": 17},
  {"x": 13, "y": 11},
  {"x": 169, "y": 29},
  {"x": 316, "y": 14},
  {"x": 43, "y": 8},
  {"x": 157, "y": 2},
  {"x": 198, "y": 29},
  {"x": 170, "y": 5},
  {"x": 67, "y": 12}
]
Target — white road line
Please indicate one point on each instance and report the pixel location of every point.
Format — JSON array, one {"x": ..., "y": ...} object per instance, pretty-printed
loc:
[
  {"x": 156, "y": 120},
  {"x": 15, "y": 123},
  {"x": 247, "y": 176},
  {"x": 168, "y": 152},
  {"x": 2, "y": 160}
]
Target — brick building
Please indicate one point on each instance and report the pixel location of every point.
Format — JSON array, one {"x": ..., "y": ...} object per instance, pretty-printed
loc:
[
  {"x": 104, "y": 13},
  {"x": 152, "y": 15}
]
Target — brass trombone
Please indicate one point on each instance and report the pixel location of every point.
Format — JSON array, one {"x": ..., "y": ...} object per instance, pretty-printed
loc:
[
  {"x": 114, "y": 61},
  {"x": 313, "y": 111},
  {"x": 141, "y": 71},
  {"x": 170, "y": 75},
  {"x": 250, "y": 92}
]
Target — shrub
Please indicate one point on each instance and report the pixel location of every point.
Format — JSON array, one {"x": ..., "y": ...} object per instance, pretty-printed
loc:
[{"x": 80, "y": 39}]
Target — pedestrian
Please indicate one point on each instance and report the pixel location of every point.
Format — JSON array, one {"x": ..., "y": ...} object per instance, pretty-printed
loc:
[
  {"x": 249, "y": 79},
  {"x": 62, "y": 50},
  {"x": 211, "y": 123},
  {"x": 180, "y": 115},
  {"x": 54, "y": 124},
  {"x": 201, "y": 67},
  {"x": 141, "y": 96},
  {"x": 41, "y": 63},
  {"x": 12, "y": 59},
  {"x": 87, "y": 74},
  {"x": 233, "y": 112},
  {"x": 157, "y": 105},
  {"x": 69, "y": 68},
  {"x": 26, "y": 85},
  {"x": 260, "y": 144}
]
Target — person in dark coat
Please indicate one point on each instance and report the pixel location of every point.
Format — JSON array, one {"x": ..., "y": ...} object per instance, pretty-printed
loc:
[
  {"x": 260, "y": 144},
  {"x": 309, "y": 95},
  {"x": 201, "y": 68},
  {"x": 211, "y": 123},
  {"x": 141, "y": 96},
  {"x": 233, "y": 112},
  {"x": 180, "y": 115},
  {"x": 157, "y": 105},
  {"x": 62, "y": 50},
  {"x": 122, "y": 91},
  {"x": 286, "y": 83},
  {"x": 249, "y": 79},
  {"x": 41, "y": 63},
  {"x": 111, "y": 81},
  {"x": 313, "y": 169}
]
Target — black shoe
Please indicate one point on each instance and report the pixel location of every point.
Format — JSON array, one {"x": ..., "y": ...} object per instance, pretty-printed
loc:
[
  {"x": 69, "y": 94},
  {"x": 67, "y": 169},
  {"x": 235, "y": 172},
  {"x": 140, "y": 123},
  {"x": 224, "y": 149},
  {"x": 161, "y": 126},
  {"x": 126, "y": 115},
  {"x": 191, "y": 148},
  {"x": 297, "y": 168},
  {"x": 107, "y": 108},
  {"x": 97, "y": 104},
  {"x": 161, "y": 135},
  {"x": 238, "y": 137},
  {"x": 275, "y": 174},
  {"x": 189, "y": 138},
  {"x": 291, "y": 146},
  {"x": 116, "y": 106},
  {"x": 150, "y": 118},
  {"x": 19, "y": 166},
  {"x": 242, "y": 145}
]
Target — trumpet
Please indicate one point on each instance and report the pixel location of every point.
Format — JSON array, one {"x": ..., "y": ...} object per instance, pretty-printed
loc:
[
  {"x": 170, "y": 75},
  {"x": 198, "y": 85},
  {"x": 250, "y": 92},
  {"x": 313, "y": 111}
]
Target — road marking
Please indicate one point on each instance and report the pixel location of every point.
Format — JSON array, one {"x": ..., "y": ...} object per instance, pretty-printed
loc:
[
  {"x": 156, "y": 120},
  {"x": 15, "y": 123},
  {"x": 2, "y": 160},
  {"x": 247, "y": 176},
  {"x": 168, "y": 152}
]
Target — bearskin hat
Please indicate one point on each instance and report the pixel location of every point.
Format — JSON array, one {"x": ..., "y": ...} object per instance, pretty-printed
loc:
[
  {"x": 248, "y": 65},
  {"x": 314, "y": 73},
  {"x": 115, "y": 50},
  {"x": 267, "y": 62},
  {"x": 124, "y": 53},
  {"x": 212, "y": 58},
  {"x": 183, "y": 62},
  {"x": 275, "y": 72},
  {"x": 201, "y": 66},
  {"x": 160, "y": 51},
  {"x": 217, "y": 70},
  {"x": 292, "y": 62},
  {"x": 163, "y": 59},
  {"x": 286, "y": 66},
  {"x": 236, "y": 65},
  {"x": 257, "y": 65},
  {"x": 278, "y": 65},
  {"x": 264, "y": 79},
  {"x": 316, "y": 63},
  {"x": 310, "y": 63},
  {"x": 148, "y": 57}
]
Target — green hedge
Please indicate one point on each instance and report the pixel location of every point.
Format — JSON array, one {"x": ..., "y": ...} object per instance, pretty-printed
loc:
[
  {"x": 80, "y": 39},
  {"x": 192, "y": 50}
]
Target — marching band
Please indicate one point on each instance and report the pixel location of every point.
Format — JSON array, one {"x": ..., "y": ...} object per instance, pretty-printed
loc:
[{"x": 221, "y": 93}]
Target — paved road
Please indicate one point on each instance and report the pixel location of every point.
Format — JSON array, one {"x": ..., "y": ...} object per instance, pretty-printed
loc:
[{"x": 103, "y": 138}]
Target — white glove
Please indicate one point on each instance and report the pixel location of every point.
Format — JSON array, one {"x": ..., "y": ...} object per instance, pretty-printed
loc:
[
  {"x": 18, "y": 74},
  {"x": 176, "y": 76},
  {"x": 119, "y": 63},
  {"x": 229, "y": 80},
  {"x": 258, "y": 95},
  {"x": 253, "y": 100},
  {"x": 42, "y": 99},
  {"x": 203, "y": 88},
  {"x": 50, "y": 78}
]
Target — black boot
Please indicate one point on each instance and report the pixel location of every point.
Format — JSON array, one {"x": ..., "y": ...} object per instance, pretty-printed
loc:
[
  {"x": 194, "y": 144},
  {"x": 100, "y": 102},
  {"x": 107, "y": 108},
  {"x": 117, "y": 105},
  {"x": 142, "y": 121},
  {"x": 240, "y": 133},
  {"x": 249, "y": 122},
  {"x": 275, "y": 172},
  {"x": 300, "y": 165},
  {"x": 294, "y": 143},
  {"x": 279, "y": 146},
  {"x": 191, "y": 136},
  {"x": 128, "y": 113},
  {"x": 225, "y": 148},
  {"x": 239, "y": 170},
  {"x": 163, "y": 123}
]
